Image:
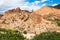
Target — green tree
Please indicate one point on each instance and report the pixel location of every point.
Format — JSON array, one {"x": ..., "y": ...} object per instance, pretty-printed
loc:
[
  {"x": 6, "y": 34},
  {"x": 47, "y": 36}
]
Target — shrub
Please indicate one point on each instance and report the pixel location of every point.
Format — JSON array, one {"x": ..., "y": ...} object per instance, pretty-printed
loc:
[
  {"x": 47, "y": 36},
  {"x": 6, "y": 34},
  {"x": 57, "y": 21}
]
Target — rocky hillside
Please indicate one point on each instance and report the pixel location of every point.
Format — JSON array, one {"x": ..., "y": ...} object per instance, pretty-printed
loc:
[
  {"x": 34, "y": 22},
  {"x": 46, "y": 10}
]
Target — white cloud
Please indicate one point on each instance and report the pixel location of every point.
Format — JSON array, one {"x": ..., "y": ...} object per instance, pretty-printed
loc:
[
  {"x": 54, "y": 4},
  {"x": 43, "y": 0},
  {"x": 23, "y": 4},
  {"x": 1, "y": 2},
  {"x": 30, "y": 6},
  {"x": 12, "y": 2},
  {"x": 36, "y": 2}
]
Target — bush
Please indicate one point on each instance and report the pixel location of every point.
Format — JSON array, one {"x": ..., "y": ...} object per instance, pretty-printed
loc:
[
  {"x": 57, "y": 21},
  {"x": 6, "y": 34},
  {"x": 47, "y": 36}
]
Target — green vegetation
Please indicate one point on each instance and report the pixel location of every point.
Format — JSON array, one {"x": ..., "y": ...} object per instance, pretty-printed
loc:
[
  {"x": 47, "y": 36},
  {"x": 7, "y": 34},
  {"x": 57, "y": 21}
]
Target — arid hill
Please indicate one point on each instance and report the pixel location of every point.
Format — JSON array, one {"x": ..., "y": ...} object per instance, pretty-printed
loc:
[
  {"x": 46, "y": 10},
  {"x": 34, "y": 22}
]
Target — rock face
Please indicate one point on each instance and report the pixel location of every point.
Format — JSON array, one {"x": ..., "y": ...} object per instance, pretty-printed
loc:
[{"x": 31, "y": 22}]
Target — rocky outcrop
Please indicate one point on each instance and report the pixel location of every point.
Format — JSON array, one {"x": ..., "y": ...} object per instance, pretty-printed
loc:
[{"x": 31, "y": 22}]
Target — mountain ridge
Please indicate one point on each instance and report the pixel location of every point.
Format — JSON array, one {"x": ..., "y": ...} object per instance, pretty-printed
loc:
[
  {"x": 34, "y": 22},
  {"x": 47, "y": 9}
]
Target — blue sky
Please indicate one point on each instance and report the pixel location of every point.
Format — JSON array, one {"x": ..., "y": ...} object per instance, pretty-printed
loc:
[{"x": 26, "y": 4}]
